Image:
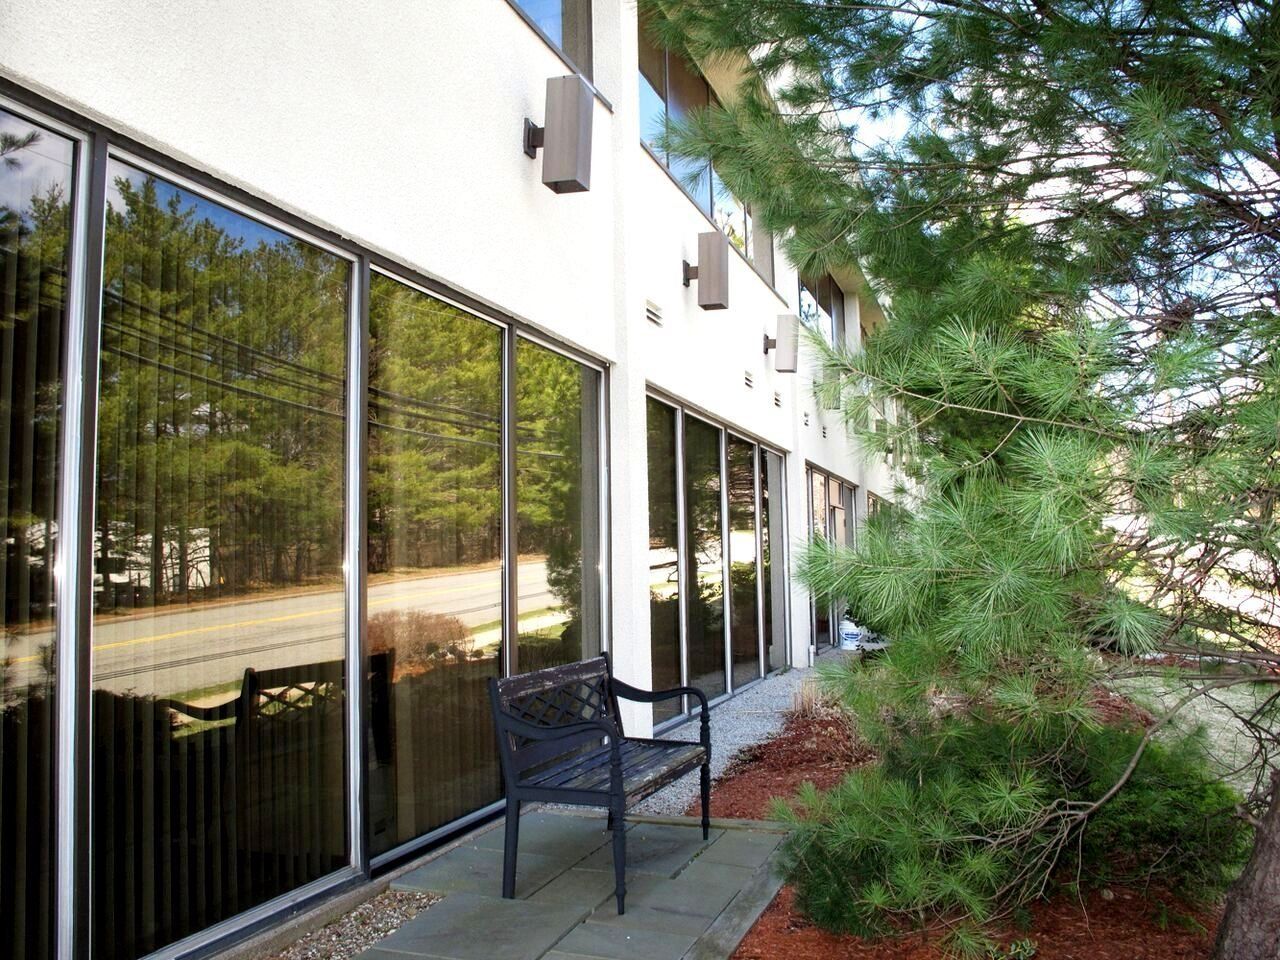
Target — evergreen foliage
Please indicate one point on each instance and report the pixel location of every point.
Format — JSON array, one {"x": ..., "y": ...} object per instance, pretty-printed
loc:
[{"x": 1071, "y": 214}]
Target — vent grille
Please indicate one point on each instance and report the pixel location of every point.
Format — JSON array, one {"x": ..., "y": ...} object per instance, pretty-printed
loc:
[
  {"x": 748, "y": 379},
  {"x": 777, "y": 399},
  {"x": 653, "y": 313}
]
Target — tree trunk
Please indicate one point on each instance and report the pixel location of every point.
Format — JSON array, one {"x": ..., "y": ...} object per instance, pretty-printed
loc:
[{"x": 1250, "y": 928}]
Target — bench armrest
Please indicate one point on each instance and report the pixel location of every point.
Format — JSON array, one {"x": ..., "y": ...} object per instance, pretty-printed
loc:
[{"x": 628, "y": 692}]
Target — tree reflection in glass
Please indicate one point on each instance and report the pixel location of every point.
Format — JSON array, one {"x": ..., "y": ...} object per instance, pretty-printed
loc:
[
  {"x": 218, "y": 676},
  {"x": 36, "y": 178},
  {"x": 558, "y": 508},
  {"x": 772, "y": 560},
  {"x": 704, "y": 546},
  {"x": 435, "y": 560},
  {"x": 743, "y": 602},
  {"x": 664, "y": 546}
]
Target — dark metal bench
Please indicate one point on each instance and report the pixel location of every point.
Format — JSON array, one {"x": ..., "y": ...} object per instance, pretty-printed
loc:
[{"x": 560, "y": 740}]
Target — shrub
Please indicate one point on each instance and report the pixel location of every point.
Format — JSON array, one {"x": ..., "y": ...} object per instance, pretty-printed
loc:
[
  {"x": 1172, "y": 823},
  {"x": 950, "y": 827},
  {"x": 419, "y": 639}
]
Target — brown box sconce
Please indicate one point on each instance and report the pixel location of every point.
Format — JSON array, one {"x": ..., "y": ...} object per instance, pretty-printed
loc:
[
  {"x": 786, "y": 345},
  {"x": 565, "y": 141},
  {"x": 711, "y": 271}
]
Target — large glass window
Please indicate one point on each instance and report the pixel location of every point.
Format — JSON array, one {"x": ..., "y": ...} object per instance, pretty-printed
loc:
[
  {"x": 435, "y": 560},
  {"x": 822, "y": 635},
  {"x": 833, "y": 517},
  {"x": 558, "y": 508},
  {"x": 218, "y": 639},
  {"x": 36, "y": 180},
  {"x": 744, "y": 606},
  {"x": 704, "y": 547},
  {"x": 822, "y": 307},
  {"x": 773, "y": 569},
  {"x": 664, "y": 547},
  {"x": 696, "y": 471},
  {"x": 567, "y": 23},
  {"x": 671, "y": 89}
]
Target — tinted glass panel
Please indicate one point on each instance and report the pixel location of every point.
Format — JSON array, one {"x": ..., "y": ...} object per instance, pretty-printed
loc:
[
  {"x": 704, "y": 545},
  {"x": 653, "y": 60},
  {"x": 664, "y": 545},
  {"x": 822, "y": 636},
  {"x": 653, "y": 117},
  {"x": 218, "y": 673},
  {"x": 567, "y": 23},
  {"x": 743, "y": 572},
  {"x": 558, "y": 508},
  {"x": 35, "y": 228},
  {"x": 729, "y": 214},
  {"x": 435, "y": 560},
  {"x": 772, "y": 564},
  {"x": 761, "y": 249},
  {"x": 850, "y": 516},
  {"x": 686, "y": 93},
  {"x": 815, "y": 304},
  {"x": 653, "y": 89}
]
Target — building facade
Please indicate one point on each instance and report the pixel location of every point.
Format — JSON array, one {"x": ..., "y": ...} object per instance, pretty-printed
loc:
[{"x": 319, "y": 409}]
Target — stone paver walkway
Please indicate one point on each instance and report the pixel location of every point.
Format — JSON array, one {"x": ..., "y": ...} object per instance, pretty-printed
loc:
[{"x": 686, "y": 899}]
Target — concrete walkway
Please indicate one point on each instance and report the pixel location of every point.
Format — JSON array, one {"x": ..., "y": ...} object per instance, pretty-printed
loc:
[{"x": 686, "y": 899}]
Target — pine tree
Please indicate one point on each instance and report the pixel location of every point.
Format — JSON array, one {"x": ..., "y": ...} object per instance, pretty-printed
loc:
[{"x": 1072, "y": 214}]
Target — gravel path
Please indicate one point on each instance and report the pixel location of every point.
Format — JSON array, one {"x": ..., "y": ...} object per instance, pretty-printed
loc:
[
  {"x": 357, "y": 931},
  {"x": 741, "y": 721}
]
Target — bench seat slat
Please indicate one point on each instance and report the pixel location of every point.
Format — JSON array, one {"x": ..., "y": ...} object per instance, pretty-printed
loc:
[{"x": 647, "y": 765}]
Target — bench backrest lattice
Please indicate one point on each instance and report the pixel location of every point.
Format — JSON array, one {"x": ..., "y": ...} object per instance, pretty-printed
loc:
[{"x": 556, "y": 697}]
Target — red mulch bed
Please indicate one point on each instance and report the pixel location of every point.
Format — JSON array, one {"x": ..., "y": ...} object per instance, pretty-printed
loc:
[
  {"x": 1125, "y": 928},
  {"x": 820, "y": 748}
]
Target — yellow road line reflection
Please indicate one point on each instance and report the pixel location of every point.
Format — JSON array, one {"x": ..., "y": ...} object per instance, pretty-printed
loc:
[{"x": 260, "y": 621}]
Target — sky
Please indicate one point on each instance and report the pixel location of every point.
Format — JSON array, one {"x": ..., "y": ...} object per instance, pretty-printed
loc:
[{"x": 44, "y": 164}]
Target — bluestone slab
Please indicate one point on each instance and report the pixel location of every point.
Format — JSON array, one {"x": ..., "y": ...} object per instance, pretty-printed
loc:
[
  {"x": 474, "y": 870},
  {"x": 655, "y": 849},
  {"x": 577, "y": 886},
  {"x": 742, "y": 848},
  {"x": 623, "y": 943},
  {"x": 560, "y": 837},
  {"x": 464, "y": 926},
  {"x": 680, "y": 896}
]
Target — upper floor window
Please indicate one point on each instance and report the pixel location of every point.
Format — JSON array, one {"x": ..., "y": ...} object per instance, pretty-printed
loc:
[
  {"x": 822, "y": 307},
  {"x": 670, "y": 89},
  {"x": 567, "y": 24}
]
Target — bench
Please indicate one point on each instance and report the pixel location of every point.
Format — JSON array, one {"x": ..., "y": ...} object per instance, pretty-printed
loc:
[{"x": 560, "y": 740}]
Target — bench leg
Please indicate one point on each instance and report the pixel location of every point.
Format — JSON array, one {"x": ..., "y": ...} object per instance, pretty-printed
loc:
[
  {"x": 619, "y": 828},
  {"x": 509, "y": 849},
  {"x": 706, "y": 800}
]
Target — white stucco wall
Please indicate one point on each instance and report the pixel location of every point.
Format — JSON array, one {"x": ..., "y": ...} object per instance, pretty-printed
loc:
[{"x": 398, "y": 125}]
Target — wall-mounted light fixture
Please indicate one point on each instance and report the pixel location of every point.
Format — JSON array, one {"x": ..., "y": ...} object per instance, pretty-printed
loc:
[
  {"x": 787, "y": 343},
  {"x": 711, "y": 271},
  {"x": 565, "y": 141}
]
